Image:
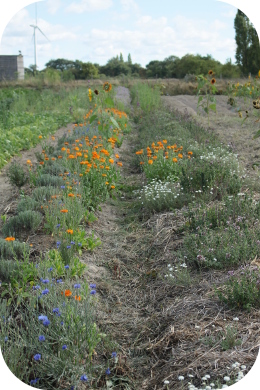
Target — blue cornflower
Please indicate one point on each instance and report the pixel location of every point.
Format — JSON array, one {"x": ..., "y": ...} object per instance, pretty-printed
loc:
[
  {"x": 41, "y": 338},
  {"x": 36, "y": 287},
  {"x": 62, "y": 187},
  {"x": 56, "y": 310},
  {"x": 50, "y": 269},
  {"x": 93, "y": 292},
  {"x": 57, "y": 226},
  {"x": 79, "y": 244},
  {"x": 72, "y": 388},
  {"x": 58, "y": 242},
  {"x": 64, "y": 304},
  {"x": 37, "y": 356},
  {"x": 77, "y": 285},
  {"x": 72, "y": 242},
  {"x": 6, "y": 339},
  {"x": 36, "y": 265},
  {"x": 34, "y": 381},
  {"x": 113, "y": 354},
  {"x": 42, "y": 318},
  {"x": 64, "y": 347},
  {"x": 66, "y": 266},
  {"x": 84, "y": 378},
  {"x": 59, "y": 281},
  {"x": 68, "y": 246},
  {"x": 45, "y": 281},
  {"x": 46, "y": 322},
  {"x": 108, "y": 372},
  {"x": 92, "y": 285},
  {"x": 45, "y": 292},
  {"x": 62, "y": 323}
]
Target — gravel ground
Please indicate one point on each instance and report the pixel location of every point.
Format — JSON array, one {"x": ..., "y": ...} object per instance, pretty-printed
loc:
[{"x": 123, "y": 95}]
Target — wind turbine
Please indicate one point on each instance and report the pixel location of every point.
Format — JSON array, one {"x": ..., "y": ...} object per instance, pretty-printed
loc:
[{"x": 35, "y": 27}]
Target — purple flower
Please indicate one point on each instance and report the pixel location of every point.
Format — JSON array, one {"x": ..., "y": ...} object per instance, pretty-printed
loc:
[
  {"x": 113, "y": 354},
  {"x": 92, "y": 285},
  {"x": 46, "y": 322},
  {"x": 66, "y": 266},
  {"x": 36, "y": 287},
  {"x": 56, "y": 310},
  {"x": 64, "y": 347},
  {"x": 58, "y": 243},
  {"x": 231, "y": 273},
  {"x": 59, "y": 281},
  {"x": 45, "y": 292},
  {"x": 84, "y": 378},
  {"x": 93, "y": 292},
  {"x": 62, "y": 323},
  {"x": 45, "y": 281},
  {"x": 72, "y": 242},
  {"x": 42, "y": 318},
  {"x": 68, "y": 246},
  {"x": 6, "y": 339},
  {"x": 34, "y": 381},
  {"x": 41, "y": 338},
  {"x": 50, "y": 269},
  {"x": 62, "y": 187},
  {"x": 57, "y": 226},
  {"x": 37, "y": 356},
  {"x": 77, "y": 285},
  {"x": 79, "y": 244},
  {"x": 108, "y": 372}
]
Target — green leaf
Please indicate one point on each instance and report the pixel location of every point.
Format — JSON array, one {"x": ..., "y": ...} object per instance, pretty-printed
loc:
[
  {"x": 200, "y": 99},
  {"x": 212, "y": 107},
  {"x": 100, "y": 128},
  {"x": 94, "y": 117},
  {"x": 206, "y": 109},
  {"x": 114, "y": 122},
  {"x": 109, "y": 102}
]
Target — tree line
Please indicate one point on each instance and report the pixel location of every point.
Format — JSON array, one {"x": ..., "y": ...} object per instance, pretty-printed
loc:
[{"x": 247, "y": 61}]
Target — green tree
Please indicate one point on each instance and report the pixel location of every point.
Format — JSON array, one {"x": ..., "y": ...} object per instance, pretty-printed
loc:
[
  {"x": 121, "y": 59},
  {"x": 248, "y": 47},
  {"x": 129, "y": 59}
]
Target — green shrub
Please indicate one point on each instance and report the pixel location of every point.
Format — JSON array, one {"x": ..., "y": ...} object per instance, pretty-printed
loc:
[
  {"x": 12, "y": 249},
  {"x": 16, "y": 174},
  {"x": 46, "y": 180},
  {"x": 6, "y": 269},
  {"x": 28, "y": 203},
  {"x": 43, "y": 194},
  {"x": 26, "y": 220},
  {"x": 54, "y": 169}
]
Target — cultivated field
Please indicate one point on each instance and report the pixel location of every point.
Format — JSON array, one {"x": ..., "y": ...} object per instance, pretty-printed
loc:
[{"x": 130, "y": 241}]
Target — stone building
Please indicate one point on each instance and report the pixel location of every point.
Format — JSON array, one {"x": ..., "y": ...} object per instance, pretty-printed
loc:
[{"x": 11, "y": 67}]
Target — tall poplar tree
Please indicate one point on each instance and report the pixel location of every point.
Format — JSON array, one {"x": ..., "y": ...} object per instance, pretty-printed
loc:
[{"x": 248, "y": 46}]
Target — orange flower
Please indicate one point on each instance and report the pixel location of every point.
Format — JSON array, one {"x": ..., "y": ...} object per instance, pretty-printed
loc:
[
  {"x": 111, "y": 160},
  {"x": 119, "y": 163},
  {"x": 46, "y": 158},
  {"x": 53, "y": 158},
  {"x": 68, "y": 293},
  {"x": 9, "y": 239},
  {"x": 141, "y": 163},
  {"x": 117, "y": 156},
  {"x": 164, "y": 141},
  {"x": 63, "y": 149},
  {"x": 71, "y": 195},
  {"x": 139, "y": 151},
  {"x": 107, "y": 182},
  {"x": 190, "y": 153},
  {"x": 70, "y": 231},
  {"x": 77, "y": 298},
  {"x": 174, "y": 159},
  {"x": 40, "y": 136},
  {"x": 81, "y": 174},
  {"x": 28, "y": 162},
  {"x": 64, "y": 211},
  {"x": 41, "y": 162},
  {"x": 59, "y": 156},
  {"x": 180, "y": 155},
  {"x": 113, "y": 187},
  {"x": 53, "y": 138},
  {"x": 150, "y": 162},
  {"x": 104, "y": 175}
]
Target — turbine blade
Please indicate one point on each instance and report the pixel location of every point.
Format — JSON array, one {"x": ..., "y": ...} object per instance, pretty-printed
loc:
[{"x": 42, "y": 32}]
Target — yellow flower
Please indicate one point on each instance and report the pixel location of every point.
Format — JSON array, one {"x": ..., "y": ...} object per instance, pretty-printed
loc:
[
  {"x": 150, "y": 162},
  {"x": 28, "y": 162}
]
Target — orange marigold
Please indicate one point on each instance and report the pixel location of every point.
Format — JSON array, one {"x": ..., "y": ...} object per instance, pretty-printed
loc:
[
  {"x": 70, "y": 231},
  {"x": 68, "y": 293},
  {"x": 9, "y": 239},
  {"x": 64, "y": 211}
]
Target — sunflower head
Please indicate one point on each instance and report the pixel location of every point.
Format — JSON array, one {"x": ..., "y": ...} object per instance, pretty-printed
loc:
[
  {"x": 107, "y": 87},
  {"x": 96, "y": 92},
  {"x": 213, "y": 81},
  {"x": 210, "y": 72}
]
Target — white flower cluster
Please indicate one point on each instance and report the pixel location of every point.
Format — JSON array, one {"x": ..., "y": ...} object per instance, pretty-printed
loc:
[
  {"x": 172, "y": 268},
  {"x": 157, "y": 189}
]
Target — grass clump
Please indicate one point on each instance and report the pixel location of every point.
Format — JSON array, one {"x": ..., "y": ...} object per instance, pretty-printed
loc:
[
  {"x": 242, "y": 289},
  {"x": 26, "y": 220}
]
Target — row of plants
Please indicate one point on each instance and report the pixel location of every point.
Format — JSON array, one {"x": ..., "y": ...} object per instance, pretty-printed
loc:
[
  {"x": 186, "y": 167},
  {"x": 49, "y": 338}
]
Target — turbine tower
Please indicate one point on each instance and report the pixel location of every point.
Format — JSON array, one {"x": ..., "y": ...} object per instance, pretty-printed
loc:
[{"x": 35, "y": 27}]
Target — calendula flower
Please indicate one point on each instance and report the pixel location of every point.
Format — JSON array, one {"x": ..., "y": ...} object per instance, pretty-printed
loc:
[
  {"x": 190, "y": 153},
  {"x": 174, "y": 160},
  {"x": 70, "y": 231},
  {"x": 71, "y": 195},
  {"x": 77, "y": 298},
  {"x": 68, "y": 293},
  {"x": 40, "y": 136},
  {"x": 150, "y": 162},
  {"x": 180, "y": 155},
  {"x": 64, "y": 211},
  {"x": 9, "y": 239},
  {"x": 28, "y": 162},
  {"x": 113, "y": 187}
]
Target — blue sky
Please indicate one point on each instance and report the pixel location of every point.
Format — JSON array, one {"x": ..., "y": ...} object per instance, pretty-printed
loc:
[{"x": 96, "y": 30}]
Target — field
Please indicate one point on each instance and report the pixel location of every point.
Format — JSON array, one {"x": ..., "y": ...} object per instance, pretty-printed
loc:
[{"x": 130, "y": 239}]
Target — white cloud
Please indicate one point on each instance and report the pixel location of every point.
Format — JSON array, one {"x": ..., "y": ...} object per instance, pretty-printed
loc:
[
  {"x": 89, "y": 5},
  {"x": 130, "y": 5},
  {"x": 53, "y": 6},
  {"x": 230, "y": 12}
]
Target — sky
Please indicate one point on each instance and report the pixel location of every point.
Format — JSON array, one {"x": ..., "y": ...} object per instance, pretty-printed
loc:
[{"x": 97, "y": 30}]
